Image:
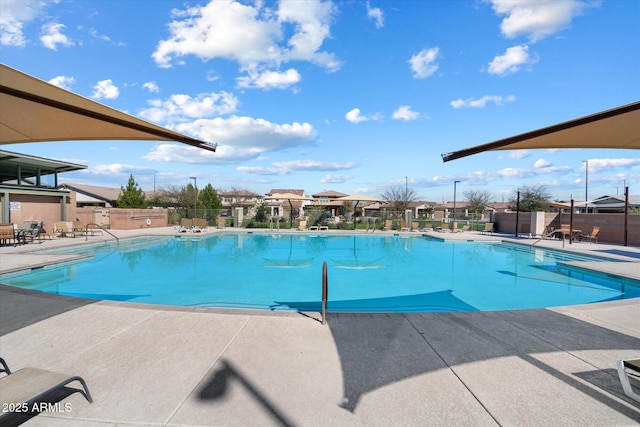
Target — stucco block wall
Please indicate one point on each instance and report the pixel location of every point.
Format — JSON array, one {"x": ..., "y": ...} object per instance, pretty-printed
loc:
[
  {"x": 611, "y": 225},
  {"x": 132, "y": 219}
]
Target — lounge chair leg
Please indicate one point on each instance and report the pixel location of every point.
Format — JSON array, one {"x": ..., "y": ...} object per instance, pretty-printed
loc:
[
  {"x": 624, "y": 380},
  {"x": 85, "y": 393}
]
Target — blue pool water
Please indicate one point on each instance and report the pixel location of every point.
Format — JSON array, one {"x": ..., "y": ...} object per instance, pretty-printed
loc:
[{"x": 371, "y": 273}]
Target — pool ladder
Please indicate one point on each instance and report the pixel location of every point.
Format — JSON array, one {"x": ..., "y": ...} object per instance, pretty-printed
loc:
[{"x": 325, "y": 292}]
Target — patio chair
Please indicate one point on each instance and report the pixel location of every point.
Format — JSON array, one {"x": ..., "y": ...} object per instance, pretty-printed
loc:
[
  {"x": 199, "y": 225},
  {"x": 4, "y": 367},
  {"x": 302, "y": 224},
  {"x": 415, "y": 225},
  {"x": 591, "y": 237},
  {"x": 488, "y": 228},
  {"x": 388, "y": 224},
  {"x": 404, "y": 226},
  {"x": 427, "y": 227},
  {"x": 624, "y": 366},
  {"x": 79, "y": 227},
  {"x": 7, "y": 234},
  {"x": 443, "y": 228},
  {"x": 525, "y": 231},
  {"x": 221, "y": 221},
  {"x": 26, "y": 387},
  {"x": 61, "y": 229},
  {"x": 32, "y": 233},
  {"x": 463, "y": 229}
]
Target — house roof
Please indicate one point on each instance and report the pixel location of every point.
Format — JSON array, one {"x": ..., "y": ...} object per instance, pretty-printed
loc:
[
  {"x": 284, "y": 191},
  {"x": 613, "y": 201},
  {"x": 30, "y": 166},
  {"x": 108, "y": 194},
  {"x": 240, "y": 193},
  {"x": 328, "y": 193}
]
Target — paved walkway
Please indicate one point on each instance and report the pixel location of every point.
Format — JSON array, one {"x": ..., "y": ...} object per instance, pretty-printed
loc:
[{"x": 152, "y": 365}]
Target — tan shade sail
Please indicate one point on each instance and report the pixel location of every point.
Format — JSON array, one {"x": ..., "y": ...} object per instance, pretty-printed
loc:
[
  {"x": 287, "y": 196},
  {"x": 357, "y": 198},
  {"x": 32, "y": 110},
  {"x": 615, "y": 128}
]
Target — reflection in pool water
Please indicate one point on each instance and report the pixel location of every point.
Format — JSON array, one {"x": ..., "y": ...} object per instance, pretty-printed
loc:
[{"x": 371, "y": 273}]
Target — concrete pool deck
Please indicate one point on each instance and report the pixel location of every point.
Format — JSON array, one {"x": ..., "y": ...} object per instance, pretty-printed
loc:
[{"x": 156, "y": 365}]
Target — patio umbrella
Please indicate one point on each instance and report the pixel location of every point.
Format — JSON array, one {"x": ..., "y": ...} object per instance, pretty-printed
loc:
[
  {"x": 289, "y": 197},
  {"x": 357, "y": 198},
  {"x": 36, "y": 111}
]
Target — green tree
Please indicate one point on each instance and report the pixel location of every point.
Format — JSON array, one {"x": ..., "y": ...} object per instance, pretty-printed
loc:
[
  {"x": 532, "y": 199},
  {"x": 188, "y": 196},
  {"x": 262, "y": 211},
  {"x": 209, "y": 199},
  {"x": 132, "y": 196}
]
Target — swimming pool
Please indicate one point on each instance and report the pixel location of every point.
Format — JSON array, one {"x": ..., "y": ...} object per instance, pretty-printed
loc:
[{"x": 370, "y": 273}]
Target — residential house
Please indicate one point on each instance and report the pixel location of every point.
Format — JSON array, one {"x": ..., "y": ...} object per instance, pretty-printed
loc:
[
  {"x": 327, "y": 200},
  {"x": 613, "y": 204},
  {"x": 244, "y": 199},
  {"x": 285, "y": 208}
]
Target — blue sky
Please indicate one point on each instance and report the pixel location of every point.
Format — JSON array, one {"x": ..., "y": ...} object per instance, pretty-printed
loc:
[{"x": 352, "y": 96}]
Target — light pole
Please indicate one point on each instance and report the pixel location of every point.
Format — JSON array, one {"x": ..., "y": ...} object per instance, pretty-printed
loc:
[
  {"x": 455, "y": 183},
  {"x": 586, "y": 185},
  {"x": 195, "y": 196}
]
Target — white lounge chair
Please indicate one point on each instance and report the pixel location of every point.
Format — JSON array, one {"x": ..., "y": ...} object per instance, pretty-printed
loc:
[{"x": 623, "y": 367}]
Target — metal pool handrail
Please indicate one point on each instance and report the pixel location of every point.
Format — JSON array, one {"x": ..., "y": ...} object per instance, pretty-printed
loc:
[
  {"x": 86, "y": 234},
  {"x": 325, "y": 292}
]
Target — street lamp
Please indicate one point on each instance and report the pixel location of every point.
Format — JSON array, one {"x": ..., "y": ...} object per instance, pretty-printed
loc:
[
  {"x": 195, "y": 195},
  {"x": 586, "y": 185},
  {"x": 454, "y": 203}
]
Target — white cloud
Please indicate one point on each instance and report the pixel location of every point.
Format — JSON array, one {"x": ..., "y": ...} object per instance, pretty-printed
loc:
[
  {"x": 15, "y": 14},
  {"x": 261, "y": 170},
  {"x": 180, "y": 107},
  {"x": 598, "y": 165},
  {"x": 355, "y": 116},
  {"x": 376, "y": 14},
  {"x": 423, "y": 64},
  {"x": 98, "y": 36},
  {"x": 65, "y": 82},
  {"x": 335, "y": 179},
  {"x": 119, "y": 169},
  {"x": 511, "y": 61},
  {"x": 151, "y": 87},
  {"x": 285, "y": 168},
  {"x": 513, "y": 173},
  {"x": 251, "y": 34},
  {"x": 482, "y": 102},
  {"x": 404, "y": 113},
  {"x": 536, "y": 18},
  {"x": 518, "y": 154},
  {"x": 52, "y": 36},
  {"x": 270, "y": 79},
  {"x": 541, "y": 163},
  {"x": 238, "y": 139},
  {"x": 313, "y": 165},
  {"x": 105, "y": 89}
]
